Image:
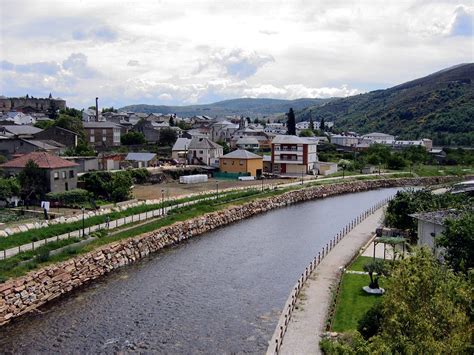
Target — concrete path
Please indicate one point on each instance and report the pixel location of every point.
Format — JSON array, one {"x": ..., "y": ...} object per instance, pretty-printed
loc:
[{"x": 308, "y": 321}]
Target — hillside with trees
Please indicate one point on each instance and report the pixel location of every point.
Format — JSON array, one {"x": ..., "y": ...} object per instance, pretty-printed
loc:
[
  {"x": 245, "y": 106},
  {"x": 439, "y": 106}
]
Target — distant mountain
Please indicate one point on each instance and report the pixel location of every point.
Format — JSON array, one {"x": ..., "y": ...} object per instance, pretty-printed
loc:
[
  {"x": 439, "y": 106},
  {"x": 246, "y": 107}
]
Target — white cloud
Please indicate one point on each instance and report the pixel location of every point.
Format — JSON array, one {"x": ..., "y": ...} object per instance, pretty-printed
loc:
[{"x": 178, "y": 52}]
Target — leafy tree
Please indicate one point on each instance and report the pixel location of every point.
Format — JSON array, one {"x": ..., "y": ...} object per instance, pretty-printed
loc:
[
  {"x": 184, "y": 125},
  {"x": 168, "y": 137},
  {"x": 171, "y": 121},
  {"x": 291, "y": 122},
  {"x": 108, "y": 109},
  {"x": 415, "y": 155},
  {"x": 72, "y": 123},
  {"x": 344, "y": 164},
  {"x": 120, "y": 186},
  {"x": 458, "y": 239},
  {"x": 33, "y": 182},
  {"x": 44, "y": 124},
  {"x": 71, "y": 112},
  {"x": 132, "y": 138},
  {"x": 306, "y": 133},
  {"x": 110, "y": 186},
  {"x": 311, "y": 124},
  {"x": 380, "y": 152},
  {"x": 82, "y": 149},
  {"x": 225, "y": 147},
  {"x": 376, "y": 266},
  {"x": 425, "y": 310},
  {"x": 9, "y": 187},
  {"x": 369, "y": 324},
  {"x": 396, "y": 161},
  {"x": 322, "y": 126}
]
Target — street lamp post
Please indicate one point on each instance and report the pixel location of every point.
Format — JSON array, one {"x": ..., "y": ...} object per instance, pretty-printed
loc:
[
  {"x": 217, "y": 190},
  {"x": 162, "y": 202},
  {"x": 302, "y": 172},
  {"x": 83, "y": 222},
  {"x": 185, "y": 154},
  {"x": 262, "y": 182}
]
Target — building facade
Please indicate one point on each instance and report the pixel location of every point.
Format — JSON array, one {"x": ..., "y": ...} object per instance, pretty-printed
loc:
[
  {"x": 28, "y": 104},
  {"x": 293, "y": 155},
  {"x": 241, "y": 162},
  {"x": 102, "y": 134}
]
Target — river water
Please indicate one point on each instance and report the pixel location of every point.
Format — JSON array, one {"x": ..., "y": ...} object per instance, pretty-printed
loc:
[{"x": 219, "y": 293}]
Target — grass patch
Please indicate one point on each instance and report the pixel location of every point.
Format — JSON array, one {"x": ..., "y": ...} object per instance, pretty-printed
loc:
[
  {"x": 358, "y": 264},
  {"x": 63, "y": 228},
  {"x": 353, "y": 302}
]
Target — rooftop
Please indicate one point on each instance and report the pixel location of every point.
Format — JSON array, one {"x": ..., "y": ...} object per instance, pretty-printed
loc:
[
  {"x": 140, "y": 156},
  {"x": 100, "y": 125},
  {"x": 241, "y": 154},
  {"x": 202, "y": 143},
  {"x": 21, "y": 130},
  {"x": 437, "y": 217},
  {"x": 281, "y": 139},
  {"x": 42, "y": 159},
  {"x": 181, "y": 144}
]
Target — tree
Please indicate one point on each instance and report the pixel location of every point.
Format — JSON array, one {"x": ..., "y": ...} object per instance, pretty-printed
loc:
[
  {"x": 396, "y": 161},
  {"x": 44, "y": 124},
  {"x": 171, "y": 121},
  {"x": 110, "y": 186},
  {"x": 120, "y": 186},
  {"x": 132, "y": 138},
  {"x": 306, "y": 133},
  {"x": 425, "y": 310},
  {"x": 311, "y": 124},
  {"x": 225, "y": 147},
  {"x": 322, "y": 126},
  {"x": 458, "y": 239},
  {"x": 168, "y": 137},
  {"x": 291, "y": 122},
  {"x": 344, "y": 164},
  {"x": 71, "y": 123},
  {"x": 108, "y": 109},
  {"x": 8, "y": 188},
  {"x": 376, "y": 266},
  {"x": 33, "y": 182}
]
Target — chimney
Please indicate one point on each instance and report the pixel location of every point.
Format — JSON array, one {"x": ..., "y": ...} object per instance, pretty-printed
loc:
[{"x": 97, "y": 109}]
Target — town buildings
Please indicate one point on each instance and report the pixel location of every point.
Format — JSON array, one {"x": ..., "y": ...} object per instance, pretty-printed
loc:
[
  {"x": 202, "y": 150},
  {"x": 102, "y": 134}
]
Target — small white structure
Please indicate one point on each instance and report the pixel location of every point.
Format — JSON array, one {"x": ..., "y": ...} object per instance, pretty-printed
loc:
[
  {"x": 326, "y": 168},
  {"x": 193, "y": 179},
  {"x": 431, "y": 225}
]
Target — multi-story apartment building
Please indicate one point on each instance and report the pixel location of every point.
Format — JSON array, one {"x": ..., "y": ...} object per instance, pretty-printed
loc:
[
  {"x": 293, "y": 155},
  {"x": 103, "y": 134}
]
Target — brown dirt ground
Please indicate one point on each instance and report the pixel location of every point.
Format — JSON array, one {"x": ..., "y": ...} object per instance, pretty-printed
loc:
[{"x": 174, "y": 189}]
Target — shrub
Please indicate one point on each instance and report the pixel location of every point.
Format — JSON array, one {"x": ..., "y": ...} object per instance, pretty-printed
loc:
[
  {"x": 70, "y": 198},
  {"x": 140, "y": 176},
  {"x": 42, "y": 256},
  {"x": 369, "y": 325}
]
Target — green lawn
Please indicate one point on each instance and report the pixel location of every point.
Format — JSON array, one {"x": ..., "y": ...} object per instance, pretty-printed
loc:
[
  {"x": 353, "y": 302},
  {"x": 358, "y": 264}
]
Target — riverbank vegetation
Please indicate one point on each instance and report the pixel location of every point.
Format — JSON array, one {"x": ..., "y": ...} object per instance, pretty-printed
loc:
[{"x": 427, "y": 308}]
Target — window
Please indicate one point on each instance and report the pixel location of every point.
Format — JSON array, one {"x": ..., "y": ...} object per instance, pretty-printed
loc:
[
  {"x": 241, "y": 162},
  {"x": 63, "y": 174},
  {"x": 56, "y": 176},
  {"x": 116, "y": 133},
  {"x": 104, "y": 132},
  {"x": 71, "y": 173},
  {"x": 104, "y": 138},
  {"x": 92, "y": 139},
  {"x": 224, "y": 162},
  {"x": 201, "y": 152}
]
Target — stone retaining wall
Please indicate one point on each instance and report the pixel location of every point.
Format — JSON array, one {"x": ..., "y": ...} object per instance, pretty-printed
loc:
[{"x": 24, "y": 294}]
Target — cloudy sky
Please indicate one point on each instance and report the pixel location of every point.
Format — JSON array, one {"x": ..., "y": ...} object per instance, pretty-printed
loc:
[{"x": 186, "y": 52}]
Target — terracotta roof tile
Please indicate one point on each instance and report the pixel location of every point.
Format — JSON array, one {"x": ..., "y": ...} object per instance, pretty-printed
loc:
[{"x": 43, "y": 159}]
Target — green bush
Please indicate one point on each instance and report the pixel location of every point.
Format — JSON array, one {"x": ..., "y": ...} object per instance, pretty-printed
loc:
[
  {"x": 369, "y": 325},
  {"x": 42, "y": 256},
  {"x": 70, "y": 198},
  {"x": 140, "y": 176}
]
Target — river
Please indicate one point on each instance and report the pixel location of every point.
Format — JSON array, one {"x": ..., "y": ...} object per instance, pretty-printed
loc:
[{"x": 219, "y": 293}]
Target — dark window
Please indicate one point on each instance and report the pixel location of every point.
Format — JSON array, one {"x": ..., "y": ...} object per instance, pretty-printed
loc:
[{"x": 71, "y": 173}]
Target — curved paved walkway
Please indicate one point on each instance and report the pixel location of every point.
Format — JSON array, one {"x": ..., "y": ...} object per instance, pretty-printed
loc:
[{"x": 308, "y": 321}]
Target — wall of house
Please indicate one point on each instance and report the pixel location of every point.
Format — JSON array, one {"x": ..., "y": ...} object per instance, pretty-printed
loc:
[
  {"x": 59, "y": 135},
  {"x": 63, "y": 177},
  {"x": 424, "y": 233},
  {"x": 26, "y": 293},
  {"x": 231, "y": 165}
]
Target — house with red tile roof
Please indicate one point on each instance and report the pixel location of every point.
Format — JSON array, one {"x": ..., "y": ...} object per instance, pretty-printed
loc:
[{"x": 61, "y": 174}]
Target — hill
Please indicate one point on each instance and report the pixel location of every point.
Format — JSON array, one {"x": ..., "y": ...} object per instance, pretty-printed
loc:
[
  {"x": 244, "y": 106},
  {"x": 439, "y": 106}
]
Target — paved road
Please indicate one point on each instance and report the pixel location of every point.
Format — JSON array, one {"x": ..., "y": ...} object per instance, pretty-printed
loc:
[{"x": 307, "y": 322}]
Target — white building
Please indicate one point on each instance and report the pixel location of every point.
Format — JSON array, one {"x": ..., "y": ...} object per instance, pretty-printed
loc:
[
  {"x": 293, "y": 155},
  {"x": 202, "y": 150},
  {"x": 380, "y": 138},
  {"x": 345, "y": 141},
  {"x": 276, "y": 128},
  {"x": 18, "y": 118}
]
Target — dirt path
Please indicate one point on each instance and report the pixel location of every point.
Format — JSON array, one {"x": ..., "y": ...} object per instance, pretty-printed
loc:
[{"x": 308, "y": 321}]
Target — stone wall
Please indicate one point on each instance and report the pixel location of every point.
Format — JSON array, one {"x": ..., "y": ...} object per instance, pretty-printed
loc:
[{"x": 24, "y": 294}]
